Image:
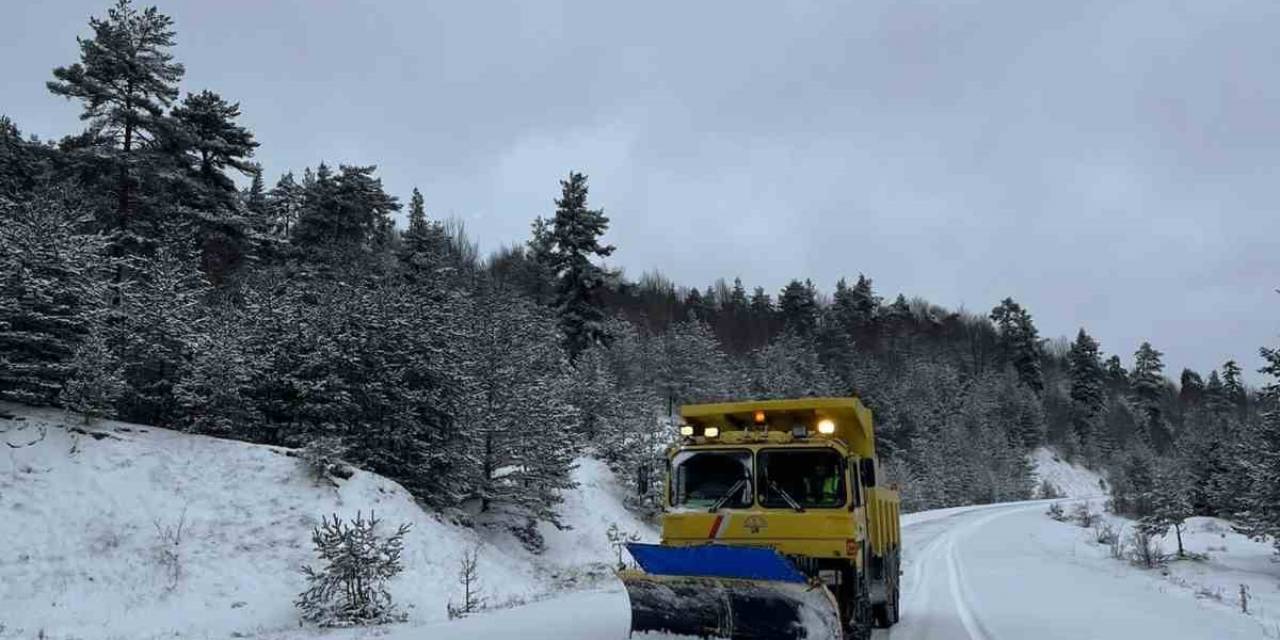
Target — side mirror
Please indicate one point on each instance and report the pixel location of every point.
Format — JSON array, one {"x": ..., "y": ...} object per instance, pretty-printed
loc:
[{"x": 867, "y": 467}]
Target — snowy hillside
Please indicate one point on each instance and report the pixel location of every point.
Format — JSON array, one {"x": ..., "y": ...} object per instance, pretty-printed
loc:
[
  {"x": 84, "y": 518},
  {"x": 1070, "y": 480}
]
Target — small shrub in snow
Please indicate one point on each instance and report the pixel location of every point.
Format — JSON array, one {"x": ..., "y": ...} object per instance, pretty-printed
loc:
[
  {"x": 1084, "y": 515},
  {"x": 323, "y": 459},
  {"x": 1048, "y": 491},
  {"x": 1116, "y": 546},
  {"x": 350, "y": 588},
  {"x": 469, "y": 578},
  {"x": 1145, "y": 549},
  {"x": 1104, "y": 533},
  {"x": 169, "y": 548},
  {"x": 618, "y": 539},
  {"x": 1055, "y": 511}
]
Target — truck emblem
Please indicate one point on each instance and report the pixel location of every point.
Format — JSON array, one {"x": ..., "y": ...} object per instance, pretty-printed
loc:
[{"x": 754, "y": 524}]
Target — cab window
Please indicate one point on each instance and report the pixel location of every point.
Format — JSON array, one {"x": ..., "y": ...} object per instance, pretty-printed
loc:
[
  {"x": 801, "y": 479},
  {"x": 712, "y": 479}
]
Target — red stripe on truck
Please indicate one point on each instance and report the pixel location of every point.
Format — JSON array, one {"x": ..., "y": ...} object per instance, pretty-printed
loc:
[{"x": 715, "y": 527}]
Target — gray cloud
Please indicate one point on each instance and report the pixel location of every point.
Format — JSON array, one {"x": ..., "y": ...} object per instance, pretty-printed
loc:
[{"x": 1109, "y": 164}]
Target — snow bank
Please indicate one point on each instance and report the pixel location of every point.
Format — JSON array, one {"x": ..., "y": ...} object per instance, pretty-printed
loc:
[
  {"x": 1071, "y": 480},
  {"x": 81, "y": 516}
]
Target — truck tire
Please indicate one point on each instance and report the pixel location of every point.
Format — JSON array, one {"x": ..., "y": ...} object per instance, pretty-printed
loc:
[
  {"x": 860, "y": 621},
  {"x": 885, "y": 614}
]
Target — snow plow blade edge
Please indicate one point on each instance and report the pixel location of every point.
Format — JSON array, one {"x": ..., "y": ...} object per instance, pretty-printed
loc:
[{"x": 763, "y": 597}]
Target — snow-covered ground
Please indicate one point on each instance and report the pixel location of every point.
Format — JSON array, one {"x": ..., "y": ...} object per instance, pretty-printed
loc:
[
  {"x": 81, "y": 545},
  {"x": 1070, "y": 480}
]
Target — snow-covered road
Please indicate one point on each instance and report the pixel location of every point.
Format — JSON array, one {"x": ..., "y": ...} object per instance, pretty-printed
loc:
[{"x": 1000, "y": 572}]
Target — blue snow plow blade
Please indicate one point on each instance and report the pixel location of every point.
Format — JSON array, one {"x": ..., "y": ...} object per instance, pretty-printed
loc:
[{"x": 715, "y": 561}]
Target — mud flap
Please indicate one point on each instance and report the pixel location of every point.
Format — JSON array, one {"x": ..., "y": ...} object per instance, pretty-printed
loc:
[{"x": 720, "y": 591}]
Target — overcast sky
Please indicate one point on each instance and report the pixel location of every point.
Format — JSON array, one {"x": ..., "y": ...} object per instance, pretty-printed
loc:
[{"x": 1113, "y": 165}]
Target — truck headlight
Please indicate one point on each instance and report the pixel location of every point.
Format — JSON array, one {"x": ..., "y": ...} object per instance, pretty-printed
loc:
[
  {"x": 711, "y": 432},
  {"x": 686, "y": 430},
  {"x": 826, "y": 426}
]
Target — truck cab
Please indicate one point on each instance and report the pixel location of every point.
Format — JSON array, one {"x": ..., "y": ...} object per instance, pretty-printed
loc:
[{"x": 797, "y": 478}]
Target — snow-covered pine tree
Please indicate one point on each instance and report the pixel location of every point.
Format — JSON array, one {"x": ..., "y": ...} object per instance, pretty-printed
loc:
[
  {"x": 798, "y": 307},
  {"x": 214, "y": 141},
  {"x": 284, "y": 205},
  {"x": 691, "y": 366},
  {"x": 210, "y": 143},
  {"x": 153, "y": 332},
  {"x": 1170, "y": 502},
  {"x": 343, "y": 215},
  {"x": 125, "y": 78},
  {"x": 1233, "y": 388},
  {"x": 255, "y": 198},
  {"x": 96, "y": 383},
  {"x": 214, "y": 391},
  {"x": 52, "y": 292},
  {"x": 789, "y": 367},
  {"x": 515, "y": 411},
  {"x": 1261, "y": 504},
  {"x": 424, "y": 246},
  {"x": 575, "y": 240},
  {"x": 1148, "y": 393},
  {"x": 1190, "y": 389},
  {"x": 351, "y": 587},
  {"x": 857, "y": 309},
  {"x": 1088, "y": 393},
  {"x": 1020, "y": 341},
  {"x": 1132, "y": 480}
]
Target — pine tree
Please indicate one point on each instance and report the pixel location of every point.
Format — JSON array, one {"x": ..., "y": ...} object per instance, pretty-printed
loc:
[
  {"x": 517, "y": 412},
  {"x": 1215, "y": 395},
  {"x": 1117, "y": 376},
  {"x": 857, "y": 309},
  {"x": 789, "y": 367},
  {"x": 1260, "y": 516},
  {"x": 126, "y": 77},
  {"x": 1087, "y": 390},
  {"x": 424, "y": 247},
  {"x": 52, "y": 292},
  {"x": 1191, "y": 389},
  {"x": 96, "y": 383},
  {"x": 1020, "y": 341},
  {"x": 215, "y": 141},
  {"x": 344, "y": 215},
  {"x": 798, "y": 307},
  {"x": 284, "y": 204},
  {"x": 696, "y": 308},
  {"x": 154, "y": 330},
  {"x": 691, "y": 366},
  {"x": 575, "y": 240},
  {"x": 213, "y": 394},
  {"x": 1170, "y": 502},
  {"x": 1148, "y": 390},
  {"x": 255, "y": 199},
  {"x": 351, "y": 587}
]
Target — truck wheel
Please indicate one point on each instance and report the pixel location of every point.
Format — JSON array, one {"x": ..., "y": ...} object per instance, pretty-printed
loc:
[
  {"x": 897, "y": 587},
  {"x": 885, "y": 614},
  {"x": 860, "y": 621}
]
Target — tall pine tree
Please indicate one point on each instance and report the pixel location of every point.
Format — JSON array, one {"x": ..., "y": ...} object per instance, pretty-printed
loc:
[
  {"x": 574, "y": 241},
  {"x": 126, "y": 78}
]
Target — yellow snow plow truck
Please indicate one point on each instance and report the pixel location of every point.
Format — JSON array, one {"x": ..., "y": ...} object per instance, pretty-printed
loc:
[{"x": 776, "y": 526}]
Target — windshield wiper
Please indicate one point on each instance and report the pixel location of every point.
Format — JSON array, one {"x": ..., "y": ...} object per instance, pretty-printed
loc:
[
  {"x": 786, "y": 496},
  {"x": 741, "y": 483}
]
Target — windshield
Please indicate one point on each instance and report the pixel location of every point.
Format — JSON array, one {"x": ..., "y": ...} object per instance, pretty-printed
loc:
[
  {"x": 804, "y": 478},
  {"x": 710, "y": 479}
]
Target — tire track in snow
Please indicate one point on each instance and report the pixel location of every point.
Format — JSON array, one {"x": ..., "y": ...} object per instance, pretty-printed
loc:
[{"x": 940, "y": 555}]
